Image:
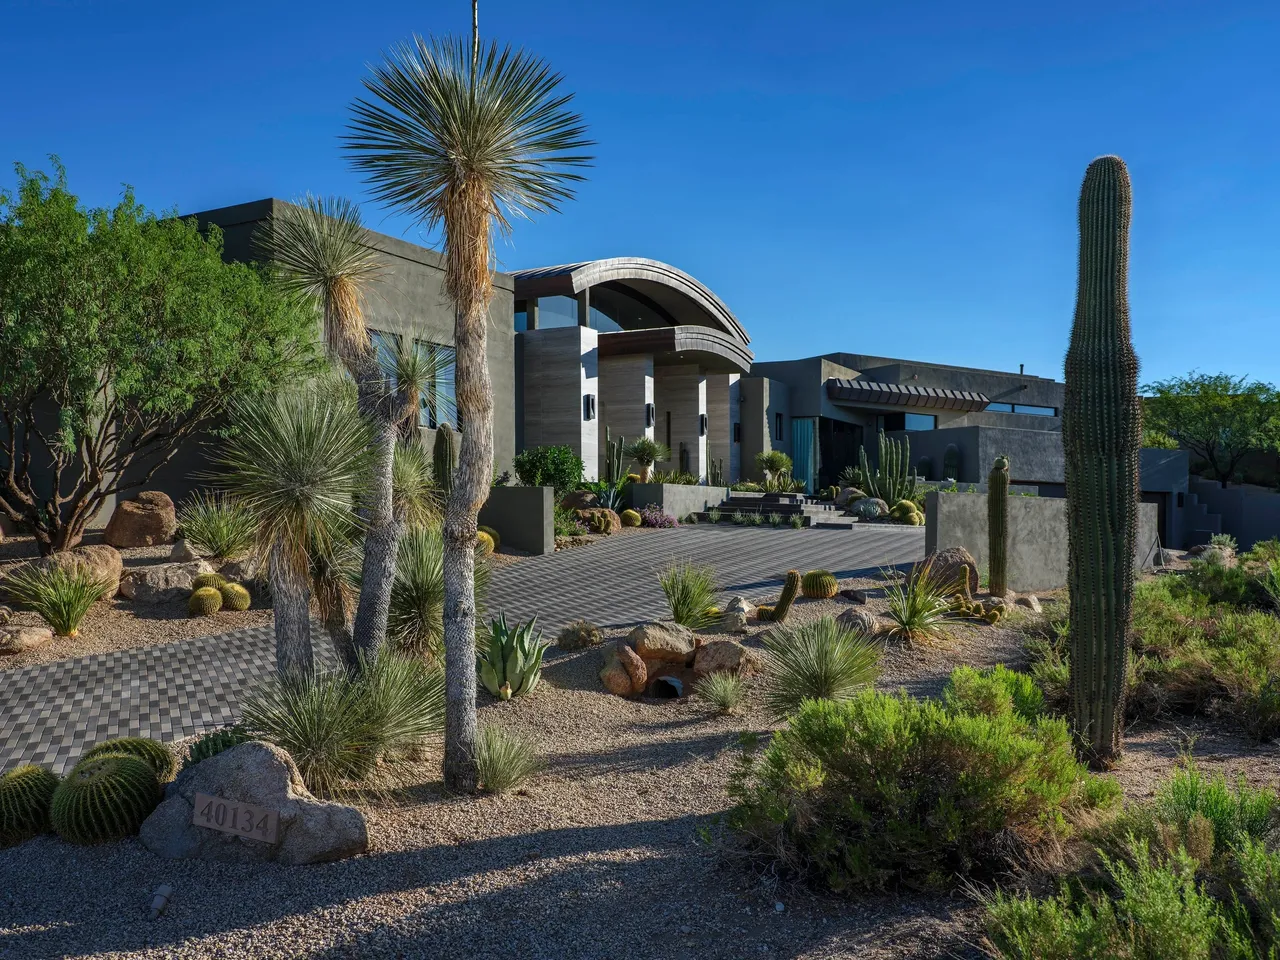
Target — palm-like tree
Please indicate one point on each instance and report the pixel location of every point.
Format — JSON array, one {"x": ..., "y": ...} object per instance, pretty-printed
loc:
[
  {"x": 299, "y": 462},
  {"x": 466, "y": 142}
]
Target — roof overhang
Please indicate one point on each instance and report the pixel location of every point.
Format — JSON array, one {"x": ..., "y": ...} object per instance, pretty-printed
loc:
[
  {"x": 709, "y": 349},
  {"x": 679, "y": 295},
  {"x": 903, "y": 395}
]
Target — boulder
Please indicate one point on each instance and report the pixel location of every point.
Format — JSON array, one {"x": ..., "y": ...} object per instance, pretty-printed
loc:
[
  {"x": 1223, "y": 556},
  {"x": 1031, "y": 602},
  {"x": 740, "y": 605},
  {"x": 848, "y": 495},
  {"x": 955, "y": 567},
  {"x": 162, "y": 582},
  {"x": 869, "y": 508},
  {"x": 99, "y": 561},
  {"x": 854, "y": 595},
  {"x": 20, "y": 639},
  {"x": 182, "y": 553},
  {"x": 724, "y": 656},
  {"x": 241, "y": 571},
  {"x": 662, "y": 640},
  {"x": 731, "y": 621},
  {"x": 309, "y": 831},
  {"x": 148, "y": 520},
  {"x": 614, "y": 676},
  {"x": 859, "y": 621},
  {"x": 634, "y": 665},
  {"x": 580, "y": 500},
  {"x": 590, "y": 513}
]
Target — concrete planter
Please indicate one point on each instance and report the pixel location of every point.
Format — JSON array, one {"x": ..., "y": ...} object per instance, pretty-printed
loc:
[
  {"x": 677, "y": 499},
  {"x": 523, "y": 516}
]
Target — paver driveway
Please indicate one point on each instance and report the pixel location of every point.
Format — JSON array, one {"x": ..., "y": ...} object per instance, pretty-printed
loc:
[{"x": 50, "y": 713}]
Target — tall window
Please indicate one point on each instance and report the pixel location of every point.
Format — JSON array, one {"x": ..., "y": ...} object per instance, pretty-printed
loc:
[
  {"x": 385, "y": 346},
  {"x": 439, "y": 402},
  {"x": 777, "y": 426}
]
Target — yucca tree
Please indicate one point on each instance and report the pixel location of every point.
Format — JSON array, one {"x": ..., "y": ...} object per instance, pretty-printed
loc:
[
  {"x": 465, "y": 141},
  {"x": 299, "y": 462}
]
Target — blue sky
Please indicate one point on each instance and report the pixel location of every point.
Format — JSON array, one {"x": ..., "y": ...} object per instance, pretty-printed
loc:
[{"x": 896, "y": 179}]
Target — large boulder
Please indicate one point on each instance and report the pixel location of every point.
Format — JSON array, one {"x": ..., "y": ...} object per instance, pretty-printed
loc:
[
  {"x": 148, "y": 520},
  {"x": 724, "y": 656},
  {"x": 612, "y": 521},
  {"x": 162, "y": 582},
  {"x": 956, "y": 568},
  {"x": 859, "y": 620},
  {"x": 624, "y": 673},
  {"x": 20, "y": 639},
  {"x": 99, "y": 561},
  {"x": 664, "y": 641},
  {"x": 869, "y": 508},
  {"x": 580, "y": 500},
  {"x": 309, "y": 830},
  {"x": 848, "y": 495}
]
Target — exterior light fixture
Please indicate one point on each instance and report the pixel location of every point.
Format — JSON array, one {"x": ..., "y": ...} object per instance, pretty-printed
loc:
[
  {"x": 650, "y": 414},
  {"x": 702, "y": 424},
  {"x": 589, "y": 406}
]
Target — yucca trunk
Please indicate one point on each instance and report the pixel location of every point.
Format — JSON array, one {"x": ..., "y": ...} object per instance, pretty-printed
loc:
[
  {"x": 291, "y": 607},
  {"x": 1101, "y": 434}
]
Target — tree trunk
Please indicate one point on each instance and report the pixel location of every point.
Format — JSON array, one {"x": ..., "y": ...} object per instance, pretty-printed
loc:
[
  {"x": 291, "y": 605},
  {"x": 470, "y": 490},
  {"x": 381, "y": 541}
]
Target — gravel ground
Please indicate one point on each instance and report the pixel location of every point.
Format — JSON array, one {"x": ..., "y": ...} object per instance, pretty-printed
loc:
[{"x": 613, "y": 851}]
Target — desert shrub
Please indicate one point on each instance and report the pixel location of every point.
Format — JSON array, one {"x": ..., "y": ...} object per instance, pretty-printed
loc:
[
  {"x": 883, "y": 789},
  {"x": 1190, "y": 803},
  {"x": 722, "y": 690},
  {"x": 691, "y": 592},
  {"x": 918, "y": 604},
  {"x": 557, "y": 467},
  {"x": 993, "y": 691},
  {"x": 567, "y": 523},
  {"x": 217, "y": 526},
  {"x": 775, "y": 519},
  {"x": 713, "y": 515},
  {"x": 683, "y": 477},
  {"x": 61, "y": 596},
  {"x": 337, "y": 726},
  {"x": 504, "y": 760},
  {"x": 1263, "y": 552},
  {"x": 774, "y": 462},
  {"x": 797, "y": 521},
  {"x": 579, "y": 634},
  {"x": 1223, "y": 540},
  {"x": 1218, "y": 581},
  {"x": 415, "y": 621},
  {"x": 821, "y": 659},
  {"x": 739, "y": 518},
  {"x": 653, "y": 516},
  {"x": 755, "y": 519}
]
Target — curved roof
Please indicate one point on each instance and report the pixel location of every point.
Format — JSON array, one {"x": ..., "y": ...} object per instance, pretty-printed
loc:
[{"x": 685, "y": 299}]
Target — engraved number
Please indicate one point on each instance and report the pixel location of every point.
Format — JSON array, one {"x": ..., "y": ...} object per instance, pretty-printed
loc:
[
  {"x": 220, "y": 814},
  {"x": 207, "y": 812}
]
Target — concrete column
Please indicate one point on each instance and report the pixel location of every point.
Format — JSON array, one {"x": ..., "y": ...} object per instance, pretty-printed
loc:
[
  {"x": 722, "y": 401},
  {"x": 626, "y": 385},
  {"x": 584, "y": 307},
  {"x": 560, "y": 371},
  {"x": 531, "y": 313},
  {"x": 680, "y": 395}
]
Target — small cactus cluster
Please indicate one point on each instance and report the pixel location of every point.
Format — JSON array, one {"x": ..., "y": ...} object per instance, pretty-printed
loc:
[
  {"x": 630, "y": 518},
  {"x": 213, "y": 743},
  {"x": 993, "y": 611},
  {"x": 819, "y": 585},
  {"x": 778, "y": 612},
  {"x": 511, "y": 664},
  {"x": 600, "y": 523},
  {"x": 25, "y": 795},
  {"x": 998, "y": 527},
  {"x": 155, "y": 754},
  {"x": 105, "y": 797},
  {"x": 493, "y": 535},
  {"x": 578, "y": 635},
  {"x": 484, "y": 544},
  {"x": 906, "y": 511},
  {"x": 215, "y": 580},
  {"x": 211, "y": 592}
]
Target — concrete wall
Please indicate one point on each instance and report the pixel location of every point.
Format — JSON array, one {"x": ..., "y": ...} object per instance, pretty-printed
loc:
[
  {"x": 560, "y": 369},
  {"x": 677, "y": 499},
  {"x": 626, "y": 385},
  {"x": 1248, "y": 513},
  {"x": 680, "y": 396},
  {"x": 523, "y": 516},
  {"x": 1037, "y": 535},
  {"x": 1035, "y": 456},
  {"x": 722, "y": 414},
  {"x": 762, "y": 401}
]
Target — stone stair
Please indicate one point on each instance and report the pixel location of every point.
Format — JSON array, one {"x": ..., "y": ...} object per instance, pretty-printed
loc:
[
  {"x": 816, "y": 513},
  {"x": 1198, "y": 522}
]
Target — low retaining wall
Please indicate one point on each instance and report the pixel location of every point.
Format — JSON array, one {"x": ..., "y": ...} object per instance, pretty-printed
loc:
[
  {"x": 1037, "y": 535},
  {"x": 523, "y": 516},
  {"x": 677, "y": 499}
]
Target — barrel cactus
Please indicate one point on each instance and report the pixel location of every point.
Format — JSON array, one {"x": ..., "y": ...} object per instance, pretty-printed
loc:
[
  {"x": 511, "y": 663},
  {"x": 235, "y": 597},
  {"x": 25, "y": 794},
  {"x": 1101, "y": 437},
  {"x": 905, "y": 511},
  {"x": 213, "y": 743},
  {"x": 104, "y": 798},
  {"x": 630, "y": 518},
  {"x": 215, "y": 580},
  {"x": 444, "y": 458},
  {"x": 998, "y": 527},
  {"x": 493, "y": 535},
  {"x": 484, "y": 543},
  {"x": 157, "y": 756},
  {"x": 819, "y": 584},
  {"x": 778, "y": 612},
  {"x": 205, "y": 601}
]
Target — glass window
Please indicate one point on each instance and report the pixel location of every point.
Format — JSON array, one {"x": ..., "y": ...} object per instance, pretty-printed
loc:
[
  {"x": 919, "y": 421},
  {"x": 1035, "y": 411},
  {"x": 438, "y": 401},
  {"x": 602, "y": 321},
  {"x": 777, "y": 422},
  {"x": 386, "y": 345},
  {"x": 557, "y": 312},
  {"x": 522, "y": 321},
  {"x": 1000, "y": 407}
]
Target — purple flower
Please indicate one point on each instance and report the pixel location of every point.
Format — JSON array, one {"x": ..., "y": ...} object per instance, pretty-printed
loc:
[{"x": 652, "y": 516}]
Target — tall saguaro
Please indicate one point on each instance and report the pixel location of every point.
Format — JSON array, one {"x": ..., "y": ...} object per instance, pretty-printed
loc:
[{"x": 1101, "y": 435}]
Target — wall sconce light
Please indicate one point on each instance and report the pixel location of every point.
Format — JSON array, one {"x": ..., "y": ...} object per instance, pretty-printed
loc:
[
  {"x": 589, "y": 406},
  {"x": 702, "y": 424},
  {"x": 650, "y": 414}
]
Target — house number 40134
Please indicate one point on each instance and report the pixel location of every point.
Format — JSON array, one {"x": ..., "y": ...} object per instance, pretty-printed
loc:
[{"x": 234, "y": 817}]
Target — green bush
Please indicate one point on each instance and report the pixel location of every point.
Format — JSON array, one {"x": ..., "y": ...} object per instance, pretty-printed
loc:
[
  {"x": 774, "y": 462},
  {"x": 104, "y": 797},
  {"x": 25, "y": 795},
  {"x": 993, "y": 691},
  {"x": 217, "y": 526},
  {"x": 557, "y": 467},
  {"x": 691, "y": 593},
  {"x": 817, "y": 660},
  {"x": 567, "y": 523},
  {"x": 722, "y": 690},
  {"x": 61, "y": 596},
  {"x": 504, "y": 760},
  {"x": 415, "y": 621},
  {"x": 156, "y": 754},
  {"x": 883, "y": 789},
  {"x": 336, "y": 726}
]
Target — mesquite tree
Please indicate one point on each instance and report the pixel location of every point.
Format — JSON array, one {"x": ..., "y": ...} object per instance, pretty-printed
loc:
[
  {"x": 1101, "y": 436},
  {"x": 464, "y": 142}
]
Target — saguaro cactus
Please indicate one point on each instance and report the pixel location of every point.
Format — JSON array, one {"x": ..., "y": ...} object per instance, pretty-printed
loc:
[
  {"x": 998, "y": 527},
  {"x": 1101, "y": 436},
  {"x": 444, "y": 458}
]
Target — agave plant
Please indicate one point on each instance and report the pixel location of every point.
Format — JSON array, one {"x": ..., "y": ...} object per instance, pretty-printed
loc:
[{"x": 511, "y": 664}]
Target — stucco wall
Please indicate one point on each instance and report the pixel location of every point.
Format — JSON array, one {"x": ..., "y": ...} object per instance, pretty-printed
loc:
[
  {"x": 1249, "y": 514},
  {"x": 1037, "y": 535},
  {"x": 677, "y": 499},
  {"x": 523, "y": 516},
  {"x": 560, "y": 368}
]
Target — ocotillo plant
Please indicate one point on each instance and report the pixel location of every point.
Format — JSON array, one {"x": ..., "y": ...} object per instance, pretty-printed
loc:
[
  {"x": 893, "y": 479},
  {"x": 444, "y": 458},
  {"x": 1101, "y": 436},
  {"x": 998, "y": 527}
]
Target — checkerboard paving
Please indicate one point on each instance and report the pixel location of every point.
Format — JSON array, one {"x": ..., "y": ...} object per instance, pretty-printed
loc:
[{"x": 52, "y": 712}]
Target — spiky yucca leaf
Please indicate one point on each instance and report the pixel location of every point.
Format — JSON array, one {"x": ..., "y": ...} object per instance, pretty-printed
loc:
[
  {"x": 820, "y": 660},
  {"x": 61, "y": 596},
  {"x": 217, "y": 526},
  {"x": 505, "y": 760}
]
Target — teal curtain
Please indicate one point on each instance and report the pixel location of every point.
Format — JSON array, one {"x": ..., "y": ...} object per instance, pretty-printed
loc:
[{"x": 804, "y": 451}]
